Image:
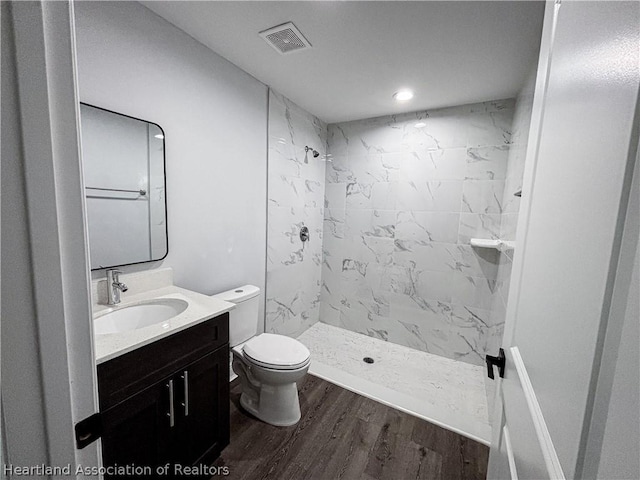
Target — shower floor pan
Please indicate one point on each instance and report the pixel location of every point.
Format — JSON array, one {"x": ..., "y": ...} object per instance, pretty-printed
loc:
[{"x": 446, "y": 392}]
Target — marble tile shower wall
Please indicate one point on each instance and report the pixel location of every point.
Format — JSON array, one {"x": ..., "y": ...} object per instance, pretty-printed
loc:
[
  {"x": 295, "y": 199},
  {"x": 401, "y": 203}
]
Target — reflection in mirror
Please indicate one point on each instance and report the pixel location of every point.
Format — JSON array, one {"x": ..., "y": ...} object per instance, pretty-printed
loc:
[{"x": 124, "y": 174}]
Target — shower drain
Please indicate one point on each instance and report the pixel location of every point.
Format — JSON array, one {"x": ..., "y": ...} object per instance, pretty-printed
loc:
[{"x": 367, "y": 360}]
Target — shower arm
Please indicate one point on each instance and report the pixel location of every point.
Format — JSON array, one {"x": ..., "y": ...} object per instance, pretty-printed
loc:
[{"x": 314, "y": 152}]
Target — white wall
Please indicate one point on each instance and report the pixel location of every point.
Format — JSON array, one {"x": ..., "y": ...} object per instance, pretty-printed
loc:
[
  {"x": 616, "y": 426},
  {"x": 619, "y": 458},
  {"x": 215, "y": 120}
]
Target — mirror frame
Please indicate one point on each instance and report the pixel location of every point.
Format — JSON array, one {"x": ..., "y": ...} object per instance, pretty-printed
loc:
[{"x": 164, "y": 169}]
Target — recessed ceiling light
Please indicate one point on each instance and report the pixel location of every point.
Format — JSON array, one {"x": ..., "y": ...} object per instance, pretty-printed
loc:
[
  {"x": 159, "y": 136},
  {"x": 403, "y": 95},
  {"x": 421, "y": 125}
]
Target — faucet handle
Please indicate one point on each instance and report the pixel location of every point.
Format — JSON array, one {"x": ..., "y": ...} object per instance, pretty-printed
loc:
[
  {"x": 113, "y": 273},
  {"x": 114, "y": 286}
]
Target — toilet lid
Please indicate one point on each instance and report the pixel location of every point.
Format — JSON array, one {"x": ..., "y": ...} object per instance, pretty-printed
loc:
[{"x": 276, "y": 350}]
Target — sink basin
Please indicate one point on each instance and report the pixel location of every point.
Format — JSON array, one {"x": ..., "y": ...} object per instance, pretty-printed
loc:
[{"x": 140, "y": 315}]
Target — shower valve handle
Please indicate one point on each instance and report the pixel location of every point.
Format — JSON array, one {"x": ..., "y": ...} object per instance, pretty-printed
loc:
[{"x": 304, "y": 234}]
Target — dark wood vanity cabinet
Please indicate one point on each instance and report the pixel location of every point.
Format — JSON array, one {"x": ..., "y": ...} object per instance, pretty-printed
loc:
[
  {"x": 205, "y": 435},
  {"x": 136, "y": 431},
  {"x": 168, "y": 402}
]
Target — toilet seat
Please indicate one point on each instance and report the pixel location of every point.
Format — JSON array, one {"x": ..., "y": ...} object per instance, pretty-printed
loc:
[
  {"x": 276, "y": 352},
  {"x": 272, "y": 366}
]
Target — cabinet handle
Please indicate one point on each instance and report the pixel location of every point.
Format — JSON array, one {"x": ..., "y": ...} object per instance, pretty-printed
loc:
[
  {"x": 185, "y": 404},
  {"x": 171, "y": 414}
]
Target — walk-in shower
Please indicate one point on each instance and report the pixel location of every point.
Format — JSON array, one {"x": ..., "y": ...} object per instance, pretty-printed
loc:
[{"x": 390, "y": 273}]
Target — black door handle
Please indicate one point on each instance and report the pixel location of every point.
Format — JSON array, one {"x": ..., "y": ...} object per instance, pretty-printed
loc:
[{"x": 498, "y": 361}]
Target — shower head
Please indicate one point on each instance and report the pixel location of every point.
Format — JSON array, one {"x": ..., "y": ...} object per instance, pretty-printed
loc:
[{"x": 308, "y": 149}]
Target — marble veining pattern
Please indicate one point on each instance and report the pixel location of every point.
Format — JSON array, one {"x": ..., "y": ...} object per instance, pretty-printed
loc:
[
  {"x": 401, "y": 204},
  {"x": 296, "y": 198},
  {"x": 438, "y": 389}
]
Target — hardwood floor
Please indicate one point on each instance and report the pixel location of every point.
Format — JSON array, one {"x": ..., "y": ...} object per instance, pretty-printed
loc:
[{"x": 342, "y": 435}]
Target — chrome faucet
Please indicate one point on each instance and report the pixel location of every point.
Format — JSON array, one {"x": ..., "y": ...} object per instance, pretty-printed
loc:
[{"x": 114, "y": 287}]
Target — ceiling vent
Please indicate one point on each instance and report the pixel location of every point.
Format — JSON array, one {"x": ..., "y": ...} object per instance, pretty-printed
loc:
[{"x": 285, "y": 38}]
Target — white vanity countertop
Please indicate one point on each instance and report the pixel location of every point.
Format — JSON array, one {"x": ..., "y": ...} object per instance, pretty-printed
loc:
[{"x": 201, "y": 308}]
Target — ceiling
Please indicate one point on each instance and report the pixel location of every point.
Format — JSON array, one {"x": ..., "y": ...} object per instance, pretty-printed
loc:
[{"x": 449, "y": 53}]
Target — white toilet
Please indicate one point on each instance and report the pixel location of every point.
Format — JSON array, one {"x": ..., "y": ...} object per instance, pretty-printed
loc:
[{"x": 268, "y": 365}]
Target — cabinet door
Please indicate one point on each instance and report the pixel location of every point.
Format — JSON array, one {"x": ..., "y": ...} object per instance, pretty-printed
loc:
[
  {"x": 204, "y": 408},
  {"x": 137, "y": 431}
]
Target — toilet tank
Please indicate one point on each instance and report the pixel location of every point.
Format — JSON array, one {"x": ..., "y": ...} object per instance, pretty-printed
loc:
[{"x": 243, "y": 320}]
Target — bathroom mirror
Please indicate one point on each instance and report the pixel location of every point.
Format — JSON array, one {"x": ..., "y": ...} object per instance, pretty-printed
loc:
[{"x": 124, "y": 174}]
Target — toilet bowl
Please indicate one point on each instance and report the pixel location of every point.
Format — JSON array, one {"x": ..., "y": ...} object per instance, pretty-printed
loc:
[{"x": 269, "y": 366}]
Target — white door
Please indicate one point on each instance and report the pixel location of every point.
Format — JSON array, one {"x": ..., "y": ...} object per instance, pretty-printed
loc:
[
  {"x": 579, "y": 162},
  {"x": 48, "y": 366}
]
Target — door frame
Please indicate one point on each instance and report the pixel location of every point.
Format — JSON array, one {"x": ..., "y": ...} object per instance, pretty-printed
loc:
[
  {"x": 47, "y": 327},
  {"x": 619, "y": 271}
]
